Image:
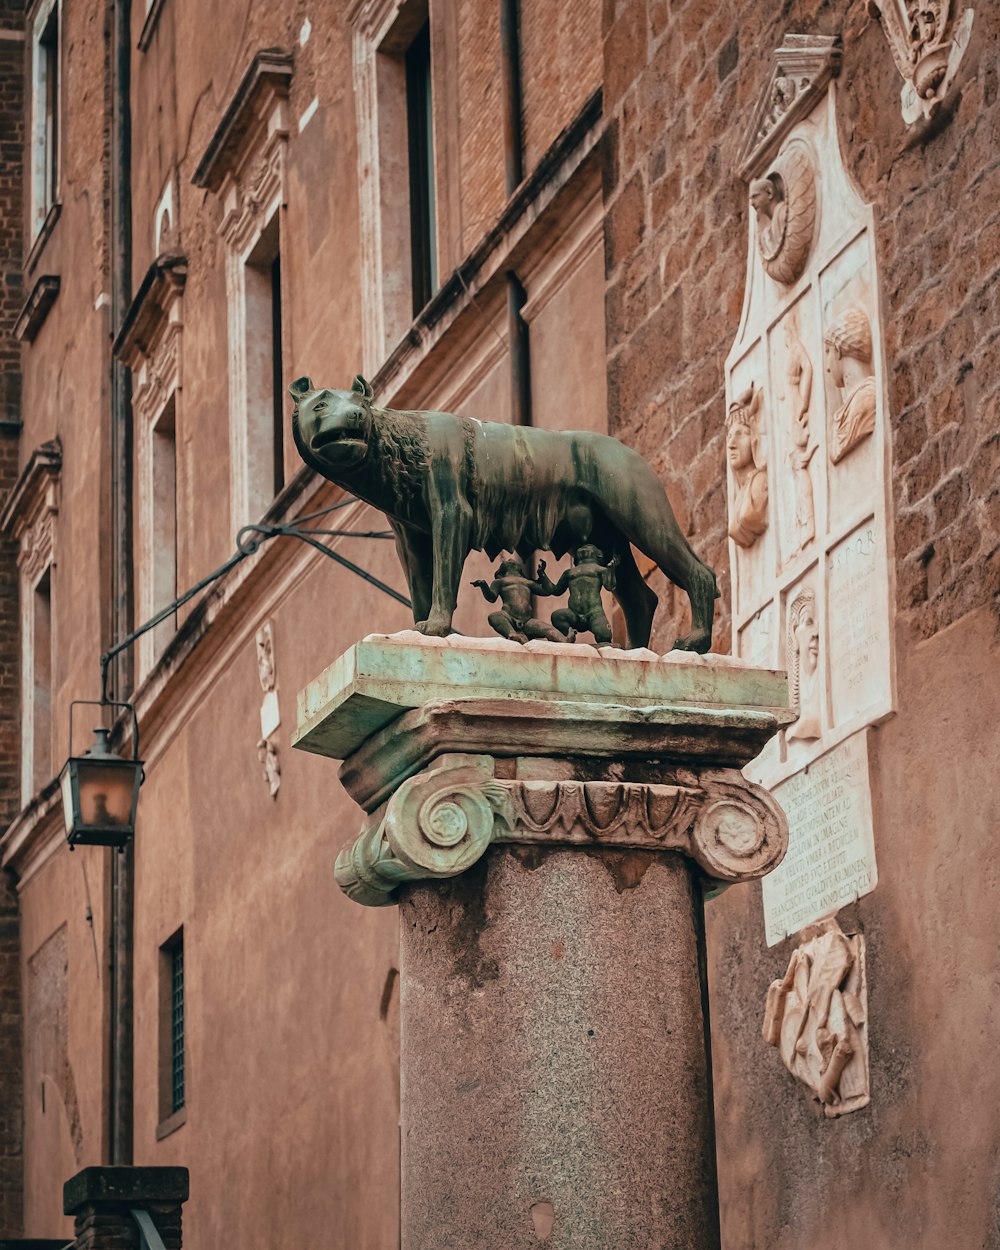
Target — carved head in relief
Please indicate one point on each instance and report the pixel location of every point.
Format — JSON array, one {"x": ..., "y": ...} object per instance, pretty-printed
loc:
[
  {"x": 802, "y": 662},
  {"x": 742, "y": 432},
  {"x": 850, "y": 338},
  {"x": 765, "y": 195}
]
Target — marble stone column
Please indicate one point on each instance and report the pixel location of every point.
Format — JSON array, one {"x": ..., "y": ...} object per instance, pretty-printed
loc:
[{"x": 549, "y": 820}]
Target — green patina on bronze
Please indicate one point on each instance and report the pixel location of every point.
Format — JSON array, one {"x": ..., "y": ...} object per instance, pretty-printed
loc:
[{"x": 450, "y": 485}]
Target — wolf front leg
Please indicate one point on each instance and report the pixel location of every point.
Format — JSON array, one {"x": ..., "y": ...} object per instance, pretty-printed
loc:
[
  {"x": 451, "y": 522},
  {"x": 414, "y": 551}
]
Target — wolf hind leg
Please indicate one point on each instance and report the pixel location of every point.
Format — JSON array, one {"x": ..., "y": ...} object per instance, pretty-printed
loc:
[{"x": 636, "y": 600}]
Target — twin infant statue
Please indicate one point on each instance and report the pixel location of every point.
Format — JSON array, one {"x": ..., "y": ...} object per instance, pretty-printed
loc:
[{"x": 585, "y": 580}]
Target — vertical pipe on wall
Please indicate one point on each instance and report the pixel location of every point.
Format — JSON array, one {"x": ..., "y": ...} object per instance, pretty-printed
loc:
[
  {"x": 122, "y": 865},
  {"x": 520, "y": 351},
  {"x": 510, "y": 79}
]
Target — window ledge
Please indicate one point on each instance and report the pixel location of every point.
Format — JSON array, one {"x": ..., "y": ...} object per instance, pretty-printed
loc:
[
  {"x": 150, "y": 24},
  {"x": 43, "y": 236},
  {"x": 172, "y": 1123},
  {"x": 36, "y": 307}
]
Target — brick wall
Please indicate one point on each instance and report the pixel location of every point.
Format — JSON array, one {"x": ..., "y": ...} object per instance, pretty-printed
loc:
[
  {"x": 11, "y": 299},
  {"x": 480, "y": 122},
  {"x": 560, "y": 68},
  {"x": 679, "y": 81}
]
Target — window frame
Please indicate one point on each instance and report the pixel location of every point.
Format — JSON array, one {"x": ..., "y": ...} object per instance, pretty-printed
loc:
[{"x": 46, "y": 144}]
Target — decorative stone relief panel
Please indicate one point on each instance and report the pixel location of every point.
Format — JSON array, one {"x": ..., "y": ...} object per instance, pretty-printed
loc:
[
  {"x": 927, "y": 44},
  {"x": 270, "y": 712},
  {"x": 817, "y": 1017},
  {"x": 808, "y": 473}
]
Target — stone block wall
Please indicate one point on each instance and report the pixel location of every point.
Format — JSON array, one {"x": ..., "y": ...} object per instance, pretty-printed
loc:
[{"x": 680, "y": 79}]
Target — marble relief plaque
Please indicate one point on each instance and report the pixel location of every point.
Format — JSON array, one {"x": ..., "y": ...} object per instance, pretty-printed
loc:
[{"x": 812, "y": 586}]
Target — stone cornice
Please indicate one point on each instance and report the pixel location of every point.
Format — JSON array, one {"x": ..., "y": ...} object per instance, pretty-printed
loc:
[
  {"x": 150, "y": 309},
  {"x": 267, "y": 79},
  {"x": 35, "y": 833},
  {"x": 35, "y": 488}
]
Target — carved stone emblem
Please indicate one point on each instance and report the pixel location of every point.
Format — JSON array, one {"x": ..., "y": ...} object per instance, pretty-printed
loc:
[
  {"x": 784, "y": 203},
  {"x": 748, "y": 461},
  {"x": 817, "y": 1017},
  {"x": 927, "y": 46},
  {"x": 848, "y": 344}
]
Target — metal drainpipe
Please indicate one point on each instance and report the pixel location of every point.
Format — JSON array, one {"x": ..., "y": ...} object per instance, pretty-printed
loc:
[
  {"x": 513, "y": 153},
  {"x": 510, "y": 60},
  {"x": 122, "y": 865}
]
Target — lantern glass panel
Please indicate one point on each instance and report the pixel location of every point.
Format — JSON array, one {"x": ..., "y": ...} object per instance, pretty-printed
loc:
[{"x": 105, "y": 793}]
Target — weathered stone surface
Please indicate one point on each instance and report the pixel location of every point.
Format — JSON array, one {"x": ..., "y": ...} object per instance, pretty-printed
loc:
[
  {"x": 380, "y": 677},
  {"x": 554, "y": 1071}
]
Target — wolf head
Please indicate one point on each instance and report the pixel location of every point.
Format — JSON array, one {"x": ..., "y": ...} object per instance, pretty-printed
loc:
[{"x": 332, "y": 429}]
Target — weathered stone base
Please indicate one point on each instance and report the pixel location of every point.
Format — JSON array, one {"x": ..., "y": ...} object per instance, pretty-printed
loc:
[{"x": 554, "y": 1073}]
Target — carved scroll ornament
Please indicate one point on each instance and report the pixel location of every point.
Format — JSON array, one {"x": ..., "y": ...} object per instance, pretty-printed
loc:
[{"x": 439, "y": 823}]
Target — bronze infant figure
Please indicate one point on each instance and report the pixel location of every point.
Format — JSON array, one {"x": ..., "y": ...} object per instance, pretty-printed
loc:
[{"x": 450, "y": 485}]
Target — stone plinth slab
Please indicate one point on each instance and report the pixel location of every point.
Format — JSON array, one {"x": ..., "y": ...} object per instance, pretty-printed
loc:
[{"x": 383, "y": 676}]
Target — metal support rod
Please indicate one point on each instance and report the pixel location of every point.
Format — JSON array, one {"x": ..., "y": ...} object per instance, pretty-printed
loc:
[{"x": 248, "y": 541}]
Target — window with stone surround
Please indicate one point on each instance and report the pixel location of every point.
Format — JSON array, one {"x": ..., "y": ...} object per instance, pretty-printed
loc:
[
  {"x": 45, "y": 111},
  {"x": 150, "y": 343},
  {"x": 29, "y": 517},
  {"x": 245, "y": 165},
  {"x": 406, "y": 117}
]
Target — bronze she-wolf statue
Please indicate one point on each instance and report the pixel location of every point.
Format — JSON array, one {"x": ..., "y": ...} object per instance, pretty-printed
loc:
[{"x": 450, "y": 485}]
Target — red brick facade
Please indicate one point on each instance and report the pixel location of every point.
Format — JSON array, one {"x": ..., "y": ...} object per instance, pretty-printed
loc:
[{"x": 12, "y": 120}]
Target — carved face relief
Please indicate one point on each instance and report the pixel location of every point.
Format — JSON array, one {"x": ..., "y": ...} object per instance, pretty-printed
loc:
[
  {"x": 807, "y": 640},
  {"x": 739, "y": 445},
  {"x": 848, "y": 353},
  {"x": 802, "y": 661}
]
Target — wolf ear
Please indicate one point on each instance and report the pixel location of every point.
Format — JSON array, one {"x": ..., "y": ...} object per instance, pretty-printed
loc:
[
  {"x": 361, "y": 387},
  {"x": 300, "y": 387}
]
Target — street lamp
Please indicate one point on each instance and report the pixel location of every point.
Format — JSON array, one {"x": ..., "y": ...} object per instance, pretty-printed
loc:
[{"x": 100, "y": 789}]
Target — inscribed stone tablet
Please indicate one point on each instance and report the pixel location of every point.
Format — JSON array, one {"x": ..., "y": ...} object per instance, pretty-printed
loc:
[
  {"x": 831, "y": 849},
  {"x": 859, "y": 642}
]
